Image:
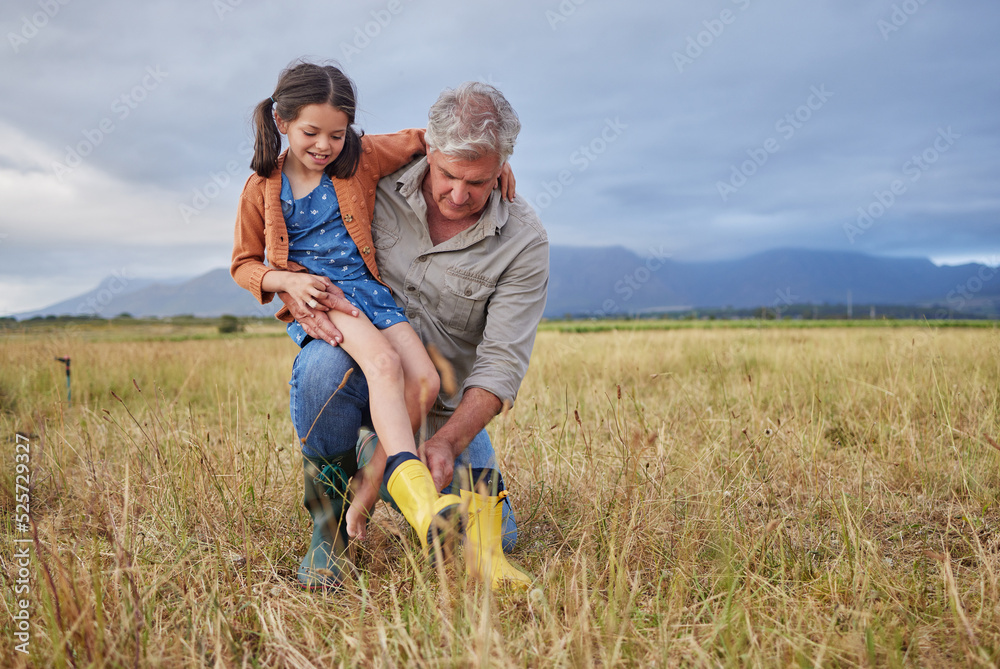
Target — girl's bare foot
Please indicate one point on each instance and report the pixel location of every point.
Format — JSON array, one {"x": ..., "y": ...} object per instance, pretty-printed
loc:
[
  {"x": 357, "y": 522},
  {"x": 365, "y": 496}
]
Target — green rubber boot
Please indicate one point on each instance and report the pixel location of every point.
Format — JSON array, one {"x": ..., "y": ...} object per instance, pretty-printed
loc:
[{"x": 327, "y": 564}]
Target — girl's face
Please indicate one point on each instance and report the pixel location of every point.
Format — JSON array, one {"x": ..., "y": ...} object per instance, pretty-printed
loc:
[{"x": 316, "y": 136}]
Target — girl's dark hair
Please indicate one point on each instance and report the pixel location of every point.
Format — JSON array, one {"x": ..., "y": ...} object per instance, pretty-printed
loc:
[{"x": 299, "y": 85}]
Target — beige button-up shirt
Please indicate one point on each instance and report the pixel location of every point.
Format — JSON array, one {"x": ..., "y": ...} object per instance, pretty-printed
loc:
[{"x": 478, "y": 296}]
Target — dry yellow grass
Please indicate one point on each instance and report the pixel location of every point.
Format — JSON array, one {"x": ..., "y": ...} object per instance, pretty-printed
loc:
[{"x": 747, "y": 497}]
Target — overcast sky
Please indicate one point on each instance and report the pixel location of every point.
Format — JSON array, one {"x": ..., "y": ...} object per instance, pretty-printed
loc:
[{"x": 702, "y": 130}]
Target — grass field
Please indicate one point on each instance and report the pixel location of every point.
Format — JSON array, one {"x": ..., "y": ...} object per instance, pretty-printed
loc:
[{"x": 695, "y": 497}]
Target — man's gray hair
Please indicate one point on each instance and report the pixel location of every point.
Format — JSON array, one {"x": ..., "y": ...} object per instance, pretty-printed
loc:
[{"x": 471, "y": 121}]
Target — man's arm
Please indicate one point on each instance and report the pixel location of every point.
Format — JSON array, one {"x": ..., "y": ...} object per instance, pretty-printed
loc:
[
  {"x": 516, "y": 308},
  {"x": 474, "y": 412}
]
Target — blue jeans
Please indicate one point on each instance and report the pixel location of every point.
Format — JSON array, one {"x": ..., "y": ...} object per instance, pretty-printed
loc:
[{"x": 328, "y": 420}]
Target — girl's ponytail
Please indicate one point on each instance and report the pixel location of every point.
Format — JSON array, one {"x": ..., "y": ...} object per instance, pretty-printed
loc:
[{"x": 267, "y": 139}]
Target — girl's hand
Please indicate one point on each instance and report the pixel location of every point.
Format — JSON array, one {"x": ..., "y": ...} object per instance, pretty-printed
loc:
[
  {"x": 305, "y": 290},
  {"x": 506, "y": 182},
  {"x": 316, "y": 320},
  {"x": 308, "y": 289}
]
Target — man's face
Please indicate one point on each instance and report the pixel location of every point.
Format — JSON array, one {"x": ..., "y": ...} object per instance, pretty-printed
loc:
[{"x": 460, "y": 188}]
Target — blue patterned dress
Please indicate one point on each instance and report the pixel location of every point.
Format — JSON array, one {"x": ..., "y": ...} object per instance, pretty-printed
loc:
[{"x": 319, "y": 241}]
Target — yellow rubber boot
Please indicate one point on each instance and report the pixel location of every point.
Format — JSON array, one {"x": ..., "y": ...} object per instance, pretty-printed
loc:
[
  {"x": 483, "y": 552},
  {"x": 432, "y": 515}
]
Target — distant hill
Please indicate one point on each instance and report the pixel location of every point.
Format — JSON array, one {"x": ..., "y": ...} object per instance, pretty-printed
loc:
[
  {"x": 211, "y": 294},
  {"x": 616, "y": 281},
  {"x": 613, "y": 281}
]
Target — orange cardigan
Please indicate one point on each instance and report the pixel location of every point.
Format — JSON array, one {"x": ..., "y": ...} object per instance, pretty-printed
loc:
[{"x": 260, "y": 225}]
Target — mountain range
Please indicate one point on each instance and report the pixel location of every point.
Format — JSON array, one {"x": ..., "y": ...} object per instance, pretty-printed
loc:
[{"x": 613, "y": 281}]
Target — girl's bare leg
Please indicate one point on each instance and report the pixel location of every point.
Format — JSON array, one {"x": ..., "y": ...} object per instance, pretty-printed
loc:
[
  {"x": 421, "y": 379},
  {"x": 421, "y": 383},
  {"x": 383, "y": 370}
]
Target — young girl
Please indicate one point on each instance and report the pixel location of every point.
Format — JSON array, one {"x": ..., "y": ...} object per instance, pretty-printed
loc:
[{"x": 310, "y": 210}]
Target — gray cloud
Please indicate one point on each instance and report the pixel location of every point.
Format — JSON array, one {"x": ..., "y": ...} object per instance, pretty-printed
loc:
[{"x": 634, "y": 114}]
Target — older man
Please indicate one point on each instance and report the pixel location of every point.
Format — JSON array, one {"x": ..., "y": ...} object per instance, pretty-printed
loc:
[{"x": 471, "y": 271}]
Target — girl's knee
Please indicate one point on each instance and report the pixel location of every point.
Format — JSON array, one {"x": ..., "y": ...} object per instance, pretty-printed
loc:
[
  {"x": 386, "y": 364},
  {"x": 425, "y": 385},
  {"x": 432, "y": 382}
]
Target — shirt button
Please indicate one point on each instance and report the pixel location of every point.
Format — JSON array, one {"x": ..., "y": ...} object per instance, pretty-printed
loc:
[
  {"x": 366, "y": 250},
  {"x": 411, "y": 314},
  {"x": 422, "y": 259},
  {"x": 410, "y": 288},
  {"x": 468, "y": 291},
  {"x": 348, "y": 218}
]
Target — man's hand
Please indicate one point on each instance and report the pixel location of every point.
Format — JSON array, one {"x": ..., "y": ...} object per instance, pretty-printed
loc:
[
  {"x": 476, "y": 409},
  {"x": 438, "y": 454},
  {"x": 315, "y": 320},
  {"x": 335, "y": 300}
]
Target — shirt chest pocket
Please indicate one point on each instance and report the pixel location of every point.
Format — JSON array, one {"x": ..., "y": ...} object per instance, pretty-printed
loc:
[
  {"x": 465, "y": 299},
  {"x": 383, "y": 236}
]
